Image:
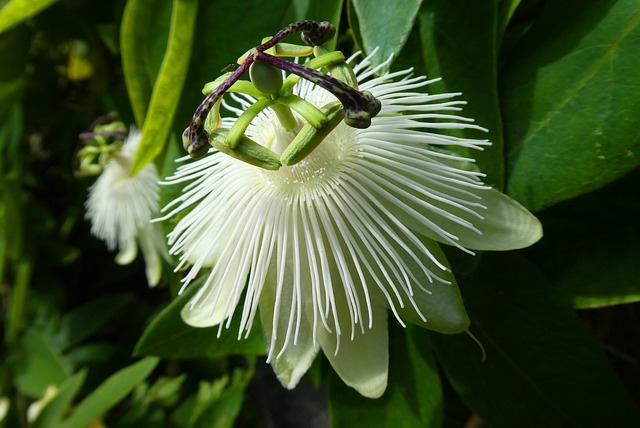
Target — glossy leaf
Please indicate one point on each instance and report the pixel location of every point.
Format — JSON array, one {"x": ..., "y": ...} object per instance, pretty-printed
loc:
[
  {"x": 413, "y": 397},
  {"x": 600, "y": 272},
  {"x": 592, "y": 246},
  {"x": 542, "y": 367},
  {"x": 168, "y": 86},
  {"x": 16, "y": 11},
  {"x": 571, "y": 94},
  {"x": 506, "y": 10},
  {"x": 37, "y": 365},
  {"x": 385, "y": 25},
  {"x": 459, "y": 45},
  {"x": 83, "y": 321},
  {"x": 109, "y": 393},
  {"x": 170, "y": 337}
]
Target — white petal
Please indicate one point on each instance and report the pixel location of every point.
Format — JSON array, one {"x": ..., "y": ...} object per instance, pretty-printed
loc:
[
  {"x": 361, "y": 362},
  {"x": 440, "y": 197},
  {"x": 219, "y": 304},
  {"x": 152, "y": 247},
  {"x": 217, "y": 299},
  {"x": 290, "y": 340},
  {"x": 504, "y": 225},
  {"x": 128, "y": 253},
  {"x": 438, "y": 300},
  {"x": 507, "y": 225}
]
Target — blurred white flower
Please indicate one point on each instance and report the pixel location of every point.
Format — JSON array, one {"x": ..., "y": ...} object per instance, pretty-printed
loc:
[
  {"x": 4, "y": 408},
  {"x": 326, "y": 247},
  {"x": 121, "y": 207},
  {"x": 35, "y": 408}
]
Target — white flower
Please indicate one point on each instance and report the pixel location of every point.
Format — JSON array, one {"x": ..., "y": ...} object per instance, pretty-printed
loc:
[
  {"x": 327, "y": 246},
  {"x": 35, "y": 408},
  {"x": 4, "y": 408},
  {"x": 121, "y": 207}
]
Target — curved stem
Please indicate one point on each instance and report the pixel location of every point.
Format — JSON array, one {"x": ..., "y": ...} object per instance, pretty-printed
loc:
[
  {"x": 313, "y": 31},
  {"x": 359, "y": 107},
  {"x": 196, "y": 135}
]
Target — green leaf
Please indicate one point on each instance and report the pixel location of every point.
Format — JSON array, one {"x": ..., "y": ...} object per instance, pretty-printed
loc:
[
  {"x": 542, "y": 368},
  {"x": 169, "y": 336},
  {"x": 413, "y": 397},
  {"x": 16, "y": 11},
  {"x": 37, "y": 365},
  {"x": 571, "y": 97},
  {"x": 592, "y": 246},
  {"x": 506, "y": 10},
  {"x": 51, "y": 414},
  {"x": 599, "y": 272},
  {"x": 168, "y": 85},
  {"x": 216, "y": 404},
  {"x": 78, "y": 324},
  {"x": 14, "y": 51},
  {"x": 109, "y": 393},
  {"x": 11, "y": 129},
  {"x": 459, "y": 44},
  {"x": 385, "y": 25},
  {"x": 222, "y": 412},
  {"x": 134, "y": 36}
]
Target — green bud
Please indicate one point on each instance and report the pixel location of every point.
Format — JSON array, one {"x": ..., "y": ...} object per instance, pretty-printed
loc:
[
  {"x": 195, "y": 151},
  {"x": 309, "y": 137},
  {"x": 265, "y": 78},
  {"x": 211, "y": 86},
  {"x": 360, "y": 120},
  {"x": 198, "y": 152}
]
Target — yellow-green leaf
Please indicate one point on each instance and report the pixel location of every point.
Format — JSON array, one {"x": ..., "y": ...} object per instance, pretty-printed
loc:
[
  {"x": 16, "y": 11},
  {"x": 168, "y": 86},
  {"x": 110, "y": 392},
  {"x": 133, "y": 33}
]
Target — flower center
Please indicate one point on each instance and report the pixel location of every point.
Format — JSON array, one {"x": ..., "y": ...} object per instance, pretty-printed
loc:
[{"x": 322, "y": 169}]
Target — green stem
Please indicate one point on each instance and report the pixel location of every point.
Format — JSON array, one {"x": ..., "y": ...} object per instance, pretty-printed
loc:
[
  {"x": 238, "y": 129},
  {"x": 19, "y": 295},
  {"x": 285, "y": 117},
  {"x": 304, "y": 108}
]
